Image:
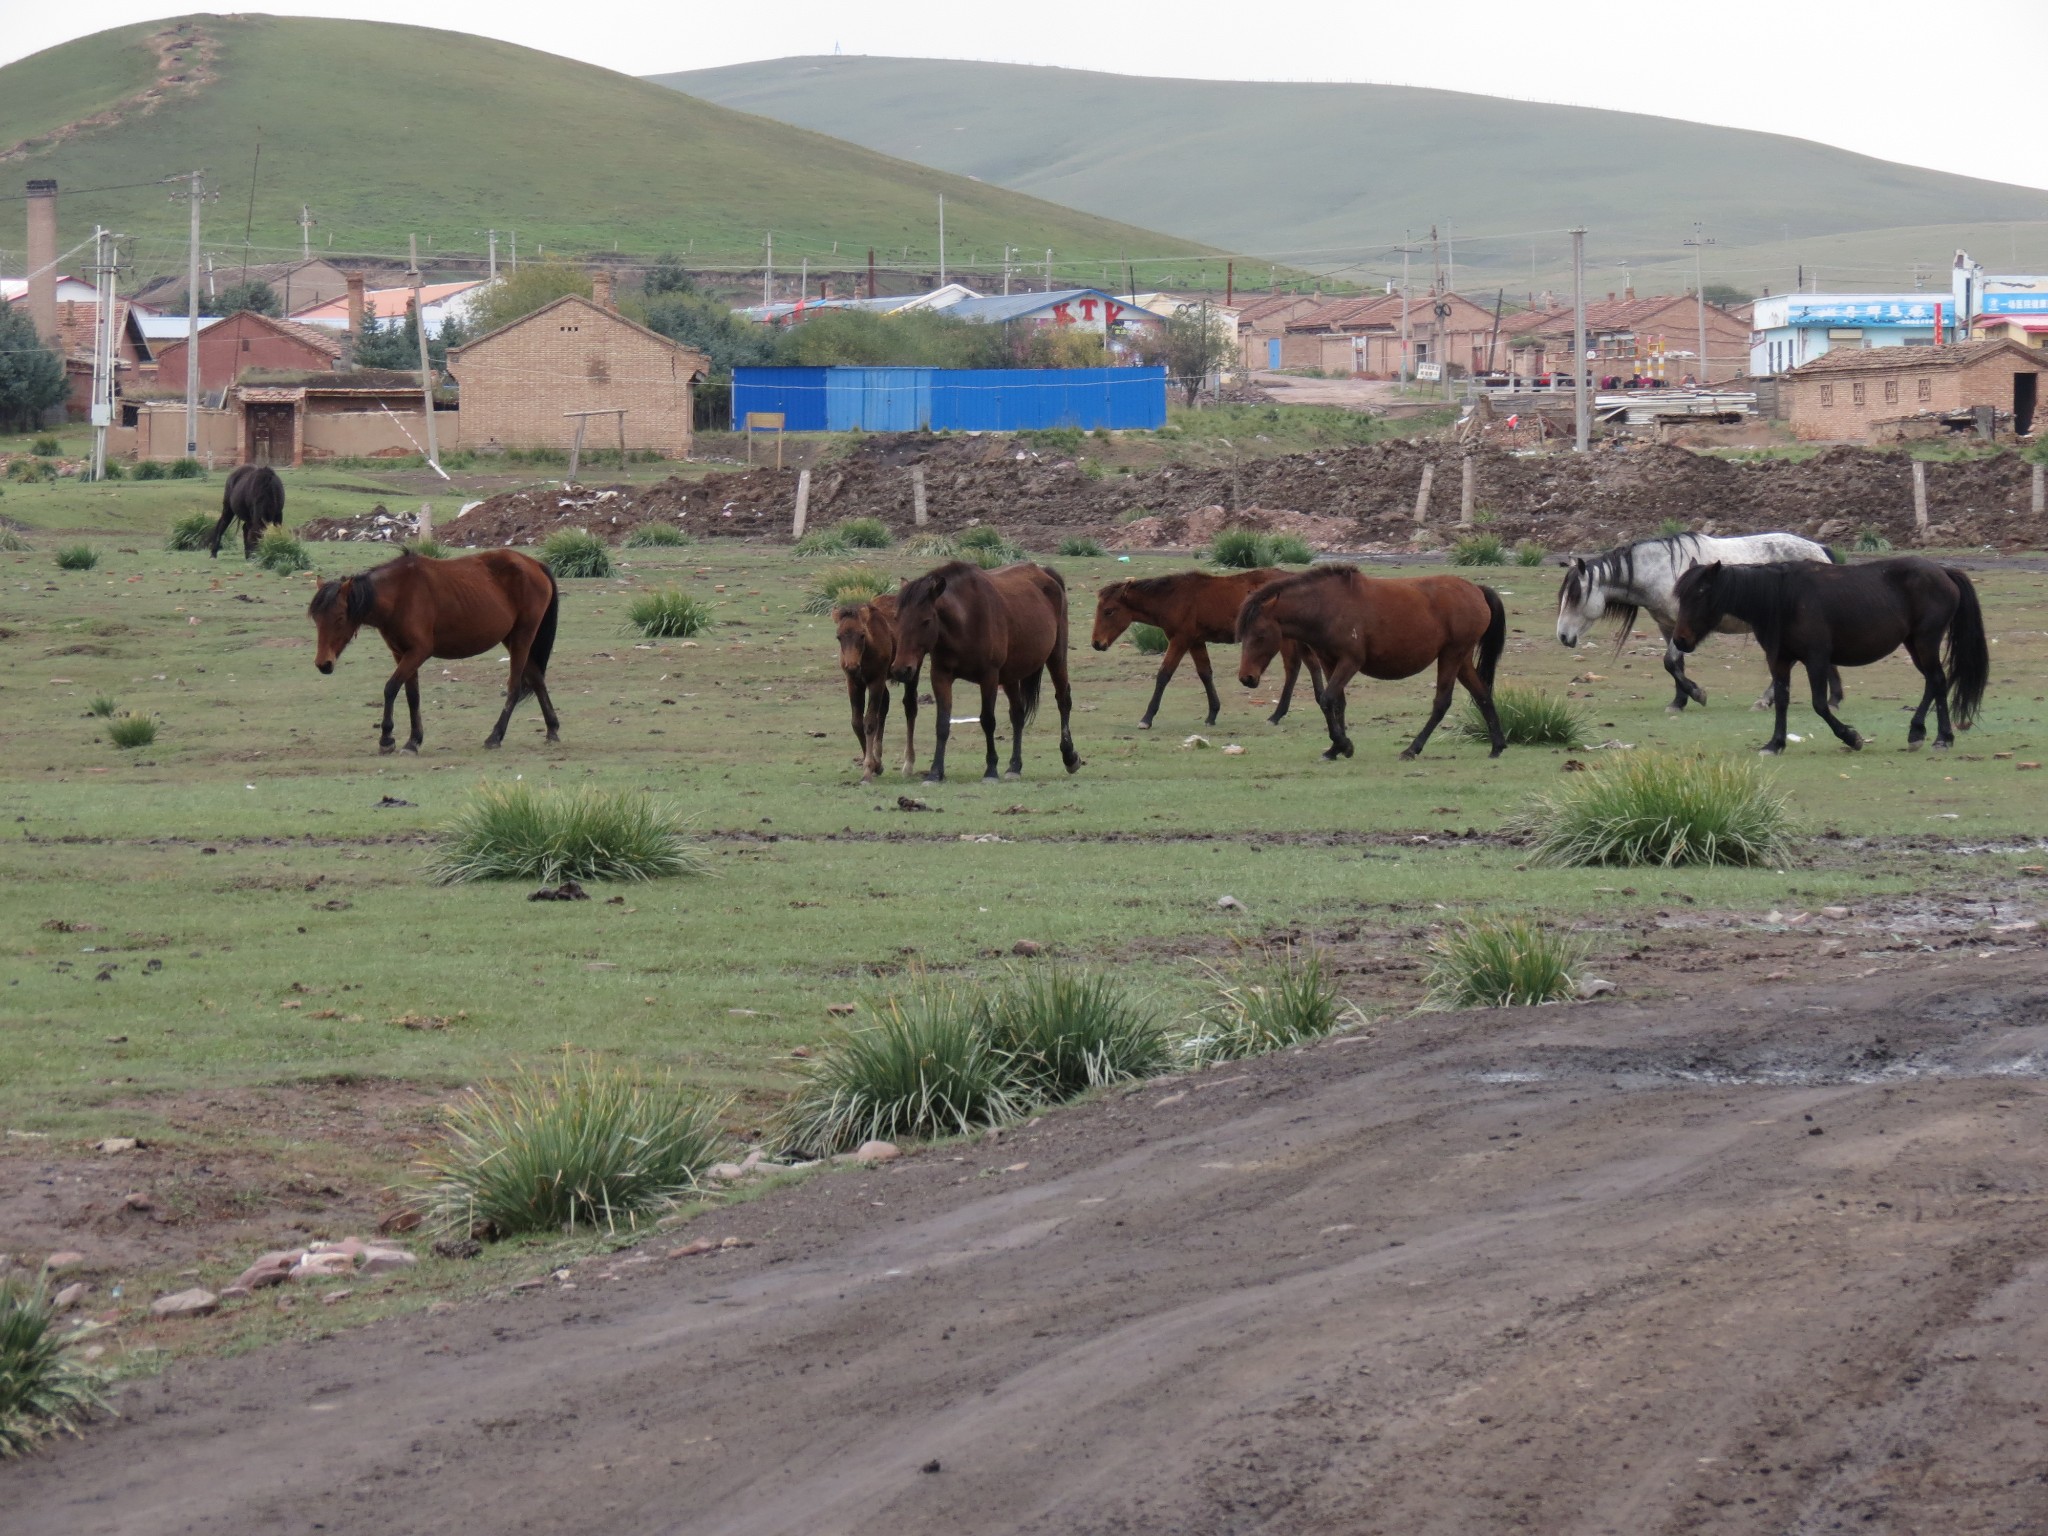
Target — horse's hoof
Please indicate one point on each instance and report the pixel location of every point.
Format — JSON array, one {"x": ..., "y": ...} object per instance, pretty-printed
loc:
[
  {"x": 492, "y": 743},
  {"x": 555, "y": 737},
  {"x": 934, "y": 778},
  {"x": 1496, "y": 752},
  {"x": 1408, "y": 754},
  {"x": 1768, "y": 751},
  {"x": 1014, "y": 773},
  {"x": 386, "y": 748},
  {"x": 1076, "y": 764},
  {"x": 1856, "y": 741},
  {"x": 411, "y": 746},
  {"x": 1943, "y": 743},
  {"x": 1144, "y": 725}
]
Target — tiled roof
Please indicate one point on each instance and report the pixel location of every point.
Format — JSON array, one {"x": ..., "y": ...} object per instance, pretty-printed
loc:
[
  {"x": 1604, "y": 315},
  {"x": 1271, "y": 304},
  {"x": 384, "y": 303},
  {"x": 1916, "y": 359}
]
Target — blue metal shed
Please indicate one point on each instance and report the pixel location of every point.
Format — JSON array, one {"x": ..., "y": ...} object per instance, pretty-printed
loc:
[
  {"x": 953, "y": 399},
  {"x": 798, "y": 393}
]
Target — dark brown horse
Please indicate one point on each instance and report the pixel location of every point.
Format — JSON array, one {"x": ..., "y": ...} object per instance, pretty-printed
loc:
[
  {"x": 867, "y": 650},
  {"x": 256, "y": 496},
  {"x": 1382, "y": 627},
  {"x": 1196, "y": 610},
  {"x": 450, "y": 609},
  {"x": 1000, "y": 629},
  {"x": 1825, "y": 617}
]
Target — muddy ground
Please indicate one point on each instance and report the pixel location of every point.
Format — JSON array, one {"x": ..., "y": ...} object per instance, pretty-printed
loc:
[
  {"x": 1770, "y": 1259},
  {"x": 1623, "y": 490}
]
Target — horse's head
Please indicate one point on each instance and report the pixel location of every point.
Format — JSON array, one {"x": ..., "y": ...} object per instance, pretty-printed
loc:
[
  {"x": 1258, "y": 636},
  {"x": 337, "y": 611},
  {"x": 1112, "y": 617},
  {"x": 1581, "y": 602},
  {"x": 854, "y": 624},
  {"x": 1700, "y": 605},
  {"x": 917, "y": 621}
]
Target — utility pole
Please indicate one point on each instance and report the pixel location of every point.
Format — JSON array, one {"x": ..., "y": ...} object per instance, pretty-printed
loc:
[
  {"x": 1699, "y": 243},
  {"x": 102, "y": 349},
  {"x": 1006, "y": 271},
  {"x": 193, "y": 193},
  {"x": 306, "y": 222},
  {"x": 513, "y": 236},
  {"x": 1582, "y": 422},
  {"x": 419, "y": 319},
  {"x": 493, "y": 234},
  {"x": 768, "y": 273},
  {"x": 1048, "y": 269},
  {"x": 942, "y": 239},
  {"x": 1405, "y": 249},
  {"x": 803, "y": 282}
]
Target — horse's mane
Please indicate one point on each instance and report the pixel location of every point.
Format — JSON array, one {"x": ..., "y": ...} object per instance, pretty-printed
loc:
[
  {"x": 1316, "y": 575},
  {"x": 919, "y": 590},
  {"x": 1617, "y": 567},
  {"x": 362, "y": 592}
]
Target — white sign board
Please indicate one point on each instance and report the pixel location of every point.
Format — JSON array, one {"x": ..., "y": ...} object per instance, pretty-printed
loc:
[{"x": 1429, "y": 373}]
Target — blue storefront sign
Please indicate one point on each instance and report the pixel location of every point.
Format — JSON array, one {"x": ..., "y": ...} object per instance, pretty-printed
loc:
[
  {"x": 2012, "y": 304},
  {"x": 1915, "y": 314}
]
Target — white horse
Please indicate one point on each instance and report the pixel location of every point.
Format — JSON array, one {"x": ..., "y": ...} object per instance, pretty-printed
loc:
[{"x": 1644, "y": 576}]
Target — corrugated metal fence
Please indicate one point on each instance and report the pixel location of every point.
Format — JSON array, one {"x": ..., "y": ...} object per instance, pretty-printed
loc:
[{"x": 952, "y": 399}]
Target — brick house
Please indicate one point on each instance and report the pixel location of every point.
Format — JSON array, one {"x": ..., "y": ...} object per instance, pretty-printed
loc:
[
  {"x": 297, "y": 284},
  {"x": 232, "y": 345},
  {"x": 1853, "y": 395},
  {"x": 77, "y": 322},
  {"x": 1363, "y": 335},
  {"x": 1628, "y": 337},
  {"x": 1262, "y": 326},
  {"x": 520, "y": 381}
]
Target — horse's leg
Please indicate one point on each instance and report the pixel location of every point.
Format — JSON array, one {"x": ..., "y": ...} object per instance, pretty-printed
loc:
[
  {"x": 872, "y": 729},
  {"x": 910, "y": 728},
  {"x": 538, "y": 682},
  {"x": 1926, "y": 656},
  {"x": 252, "y": 535},
  {"x": 1819, "y": 673},
  {"x": 1446, "y": 682},
  {"x": 1674, "y": 663},
  {"x": 1168, "y": 664},
  {"x": 412, "y": 705},
  {"x": 1015, "y": 693},
  {"x": 1063, "y": 696},
  {"x": 219, "y": 528},
  {"x": 408, "y": 672},
  {"x": 1199, "y": 654},
  {"x": 1475, "y": 685},
  {"x": 989, "y": 689},
  {"x": 1781, "y": 694},
  {"x": 942, "y": 702},
  {"x": 857, "y": 702},
  {"x": 1290, "y": 660},
  {"x": 515, "y": 685},
  {"x": 1333, "y": 710}
]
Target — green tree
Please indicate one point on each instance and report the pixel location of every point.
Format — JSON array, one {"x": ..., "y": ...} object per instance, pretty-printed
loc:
[
  {"x": 1192, "y": 344},
  {"x": 667, "y": 276},
  {"x": 713, "y": 329},
  {"x": 253, "y": 294},
  {"x": 1725, "y": 295},
  {"x": 31, "y": 375},
  {"x": 517, "y": 294}
]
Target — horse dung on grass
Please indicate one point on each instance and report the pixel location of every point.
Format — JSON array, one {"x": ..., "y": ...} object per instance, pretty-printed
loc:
[
  {"x": 1002, "y": 629},
  {"x": 1824, "y": 617},
  {"x": 448, "y": 609},
  {"x": 1196, "y": 610},
  {"x": 1382, "y": 627},
  {"x": 867, "y": 650},
  {"x": 255, "y": 495}
]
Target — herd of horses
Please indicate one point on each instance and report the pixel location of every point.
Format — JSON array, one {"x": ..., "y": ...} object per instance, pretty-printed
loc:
[{"x": 1004, "y": 631}]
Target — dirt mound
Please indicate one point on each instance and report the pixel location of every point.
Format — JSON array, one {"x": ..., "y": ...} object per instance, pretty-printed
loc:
[{"x": 1620, "y": 491}]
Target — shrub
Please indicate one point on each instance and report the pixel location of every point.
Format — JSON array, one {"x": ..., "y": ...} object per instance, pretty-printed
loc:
[
  {"x": 865, "y": 533},
  {"x": 42, "y": 1390},
  {"x": 1150, "y": 639},
  {"x": 13, "y": 543},
  {"x": 586, "y": 1146},
  {"x": 1870, "y": 542},
  {"x": 837, "y": 584},
  {"x": 923, "y": 1066},
  {"x": 77, "y": 557},
  {"x": 281, "y": 554},
  {"x": 112, "y": 470},
  {"x": 1650, "y": 808},
  {"x": 518, "y": 832},
  {"x": 1286, "y": 549},
  {"x": 102, "y": 706},
  {"x": 656, "y": 536},
  {"x": 189, "y": 532},
  {"x": 1077, "y": 547},
  {"x": 983, "y": 537},
  {"x": 1243, "y": 549},
  {"x": 1063, "y": 1032},
  {"x": 932, "y": 546},
  {"x": 820, "y": 541},
  {"x": 576, "y": 552},
  {"x": 1529, "y": 552},
  {"x": 1671, "y": 528},
  {"x": 47, "y": 446},
  {"x": 427, "y": 548},
  {"x": 1503, "y": 964},
  {"x": 187, "y": 469},
  {"x": 131, "y": 730},
  {"x": 987, "y": 548},
  {"x": 1479, "y": 549},
  {"x": 670, "y": 614},
  {"x": 1262, "y": 1005},
  {"x": 1528, "y": 718},
  {"x": 153, "y": 469}
]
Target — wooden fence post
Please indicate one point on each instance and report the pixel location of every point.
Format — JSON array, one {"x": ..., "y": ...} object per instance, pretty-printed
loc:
[
  {"x": 426, "y": 521},
  {"x": 1422, "y": 493},
  {"x": 1469, "y": 473},
  {"x": 575, "y": 453},
  {"x": 1920, "y": 496},
  {"x": 2040, "y": 489},
  {"x": 917, "y": 501},
  {"x": 803, "y": 502}
]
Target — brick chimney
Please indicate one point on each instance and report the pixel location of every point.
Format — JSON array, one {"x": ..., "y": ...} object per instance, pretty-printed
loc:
[
  {"x": 601, "y": 289},
  {"x": 42, "y": 258}
]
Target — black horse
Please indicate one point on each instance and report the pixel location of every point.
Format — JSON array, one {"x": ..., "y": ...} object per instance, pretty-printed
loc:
[
  {"x": 256, "y": 496},
  {"x": 1828, "y": 616}
]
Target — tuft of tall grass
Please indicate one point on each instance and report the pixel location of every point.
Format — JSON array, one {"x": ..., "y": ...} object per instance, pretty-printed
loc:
[
  {"x": 102, "y": 706},
  {"x": 585, "y": 1146},
  {"x": 988, "y": 548},
  {"x": 77, "y": 557},
  {"x": 1654, "y": 809},
  {"x": 278, "y": 552},
  {"x": 1150, "y": 639},
  {"x": 427, "y": 549},
  {"x": 1264, "y": 1004},
  {"x": 1529, "y": 717},
  {"x": 1671, "y": 528},
  {"x": 47, "y": 446},
  {"x": 1529, "y": 552},
  {"x": 1502, "y": 965},
  {"x": 1286, "y": 549},
  {"x": 13, "y": 543},
  {"x": 669, "y": 614},
  {"x": 837, "y": 584},
  {"x": 1063, "y": 1032},
  {"x": 576, "y": 552},
  {"x": 923, "y": 1065},
  {"x": 657, "y": 536},
  {"x": 820, "y": 541},
  {"x": 1080, "y": 547},
  {"x": 186, "y": 469},
  {"x": 865, "y": 533},
  {"x": 932, "y": 546},
  {"x": 1479, "y": 549},
  {"x": 131, "y": 730},
  {"x": 519, "y": 832},
  {"x": 1869, "y": 541},
  {"x": 153, "y": 469},
  {"x": 43, "y": 1391},
  {"x": 1242, "y": 549},
  {"x": 188, "y": 532}
]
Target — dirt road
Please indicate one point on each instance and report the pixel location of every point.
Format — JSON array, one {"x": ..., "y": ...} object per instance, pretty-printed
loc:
[{"x": 1769, "y": 1262}]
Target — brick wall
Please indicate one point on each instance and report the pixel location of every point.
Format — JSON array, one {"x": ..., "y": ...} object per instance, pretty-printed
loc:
[
  {"x": 518, "y": 382},
  {"x": 1845, "y": 405},
  {"x": 238, "y": 342}
]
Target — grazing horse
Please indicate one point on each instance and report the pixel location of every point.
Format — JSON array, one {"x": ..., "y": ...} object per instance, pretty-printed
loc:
[
  {"x": 1000, "y": 629},
  {"x": 1196, "y": 610},
  {"x": 1645, "y": 575},
  {"x": 1827, "y": 616},
  {"x": 1385, "y": 628},
  {"x": 450, "y": 609},
  {"x": 256, "y": 496},
  {"x": 867, "y": 650}
]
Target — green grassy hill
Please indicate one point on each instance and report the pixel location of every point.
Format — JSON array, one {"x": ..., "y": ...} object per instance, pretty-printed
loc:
[
  {"x": 1321, "y": 174},
  {"x": 387, "y": 130}
]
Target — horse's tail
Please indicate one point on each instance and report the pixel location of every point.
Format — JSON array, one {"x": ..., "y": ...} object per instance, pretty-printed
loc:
[
  {"x": 1969, "y": 658},
  {"x": 1834, "y": 555},
  {"x": 1495, "y": 640},
  {"x": 544, "y": 637},
  {"x": 1028, "y": 691}
]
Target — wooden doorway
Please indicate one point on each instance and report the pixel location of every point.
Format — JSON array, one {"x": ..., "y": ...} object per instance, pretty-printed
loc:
[{"x": 271, "y": 433}]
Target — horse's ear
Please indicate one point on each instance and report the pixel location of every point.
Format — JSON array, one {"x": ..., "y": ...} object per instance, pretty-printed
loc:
[{"x": 938, "y": 585}]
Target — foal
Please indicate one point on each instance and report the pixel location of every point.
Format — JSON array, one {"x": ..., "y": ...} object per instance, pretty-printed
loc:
[{"x": 867, "y": 650}]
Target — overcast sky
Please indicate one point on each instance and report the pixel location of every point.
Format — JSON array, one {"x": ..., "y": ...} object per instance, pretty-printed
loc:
[{"x": 1944, "y": 86}]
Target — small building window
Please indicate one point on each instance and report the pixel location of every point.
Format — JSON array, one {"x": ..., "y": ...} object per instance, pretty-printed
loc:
[
  {"x": 1827, "y": 395},
  {"x": 1927, "y": 389},
  {"x": 1857, "y": 394},
  {"x": 1891, "y": 391}
]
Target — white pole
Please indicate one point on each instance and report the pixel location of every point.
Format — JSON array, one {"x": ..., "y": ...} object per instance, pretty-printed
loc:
[
  {"x": 494, "y": 255},
  {"x": 192, "y": 328},
  {"x": 102, "y": 351},
  {"x": 419, "y": 315},
  {"x": 942, "y": 239},
  {"x": 768, "y": 272},
  {"x": 1582, "y": 420},
  {"x": 803, "y": 503},
  {"x": 918, "y": 505},
  {"x": 1404, "y": 309},
  {"x": 1920, "y": 496}
]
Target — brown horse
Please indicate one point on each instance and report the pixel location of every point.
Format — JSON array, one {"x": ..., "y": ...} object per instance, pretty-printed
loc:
[
  {"x": 1196, "y": 610},
  {"x": 450, "y": 609},
  {"x": 1001, "y": 629},
  {"x": 1384, "y": 628},
  {"x": 867, "y": 649}
]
